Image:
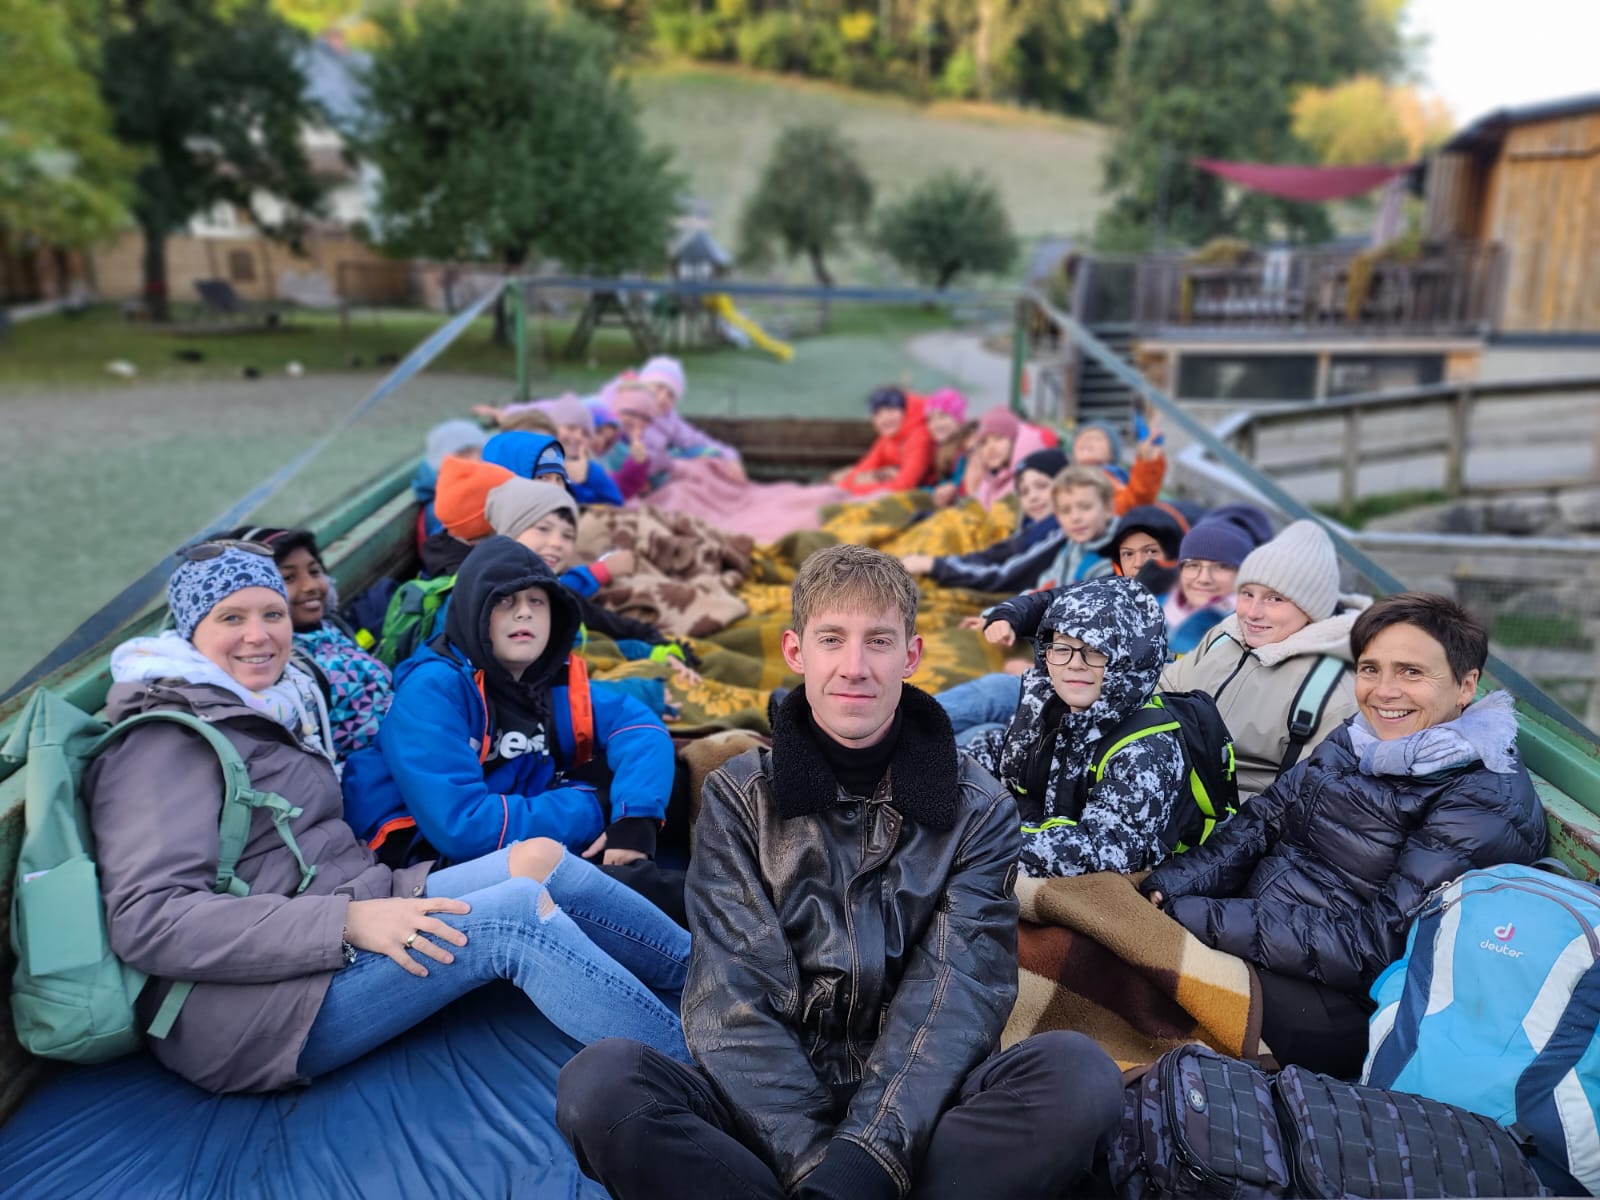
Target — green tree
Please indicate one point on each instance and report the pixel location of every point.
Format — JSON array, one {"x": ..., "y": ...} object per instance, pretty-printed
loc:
[
  {"x": 64, "y": 178},
  {"x": 316, "y": 15},
  {"x": 503, "y": 131},
  {"x": 1216, "y": 80},
  {"x": 950, "y": 224},
  {"x": 1364, "y": 121},
  {"x": 211, "y": 92},
  {"x": 812, "y": 195}
]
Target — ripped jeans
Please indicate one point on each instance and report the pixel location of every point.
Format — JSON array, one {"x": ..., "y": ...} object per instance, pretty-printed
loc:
[{"x": 592, "y": 964}]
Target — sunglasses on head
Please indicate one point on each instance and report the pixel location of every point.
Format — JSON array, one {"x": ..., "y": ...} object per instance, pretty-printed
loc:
[{"x": 201, "y": 551}]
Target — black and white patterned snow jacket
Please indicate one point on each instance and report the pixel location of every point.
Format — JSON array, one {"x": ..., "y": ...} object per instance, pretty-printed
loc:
[{"x": 1116, "y": 823}]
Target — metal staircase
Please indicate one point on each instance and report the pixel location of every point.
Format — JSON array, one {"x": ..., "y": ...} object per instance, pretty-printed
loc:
[{"x": 1101, "y": 395}]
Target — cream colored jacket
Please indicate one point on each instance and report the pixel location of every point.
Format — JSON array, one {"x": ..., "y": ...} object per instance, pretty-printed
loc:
[{"x": 1255, "y": 688}]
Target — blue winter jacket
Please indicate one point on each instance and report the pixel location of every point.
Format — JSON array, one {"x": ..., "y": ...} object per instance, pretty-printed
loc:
[
  {"x": 597, "y": 487},
  {"x": 427, "y": 763}
]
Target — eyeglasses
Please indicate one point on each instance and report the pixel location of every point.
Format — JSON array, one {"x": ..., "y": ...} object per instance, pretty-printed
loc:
[
  {"x": 1059, "y": 655},
  {"x": 1195, "y": 566},
  {"x": 202, "y": 551}
]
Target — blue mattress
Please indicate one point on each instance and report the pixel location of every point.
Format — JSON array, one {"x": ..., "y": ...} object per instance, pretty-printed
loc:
[{"x": 463, "y": 1106}]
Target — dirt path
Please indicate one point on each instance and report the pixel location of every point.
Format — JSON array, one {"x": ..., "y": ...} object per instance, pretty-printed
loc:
[{"x": 982, "y": 374}]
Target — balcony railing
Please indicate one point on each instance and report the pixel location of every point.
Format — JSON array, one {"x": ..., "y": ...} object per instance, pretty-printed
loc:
[{"x": 1448, "y": 291}]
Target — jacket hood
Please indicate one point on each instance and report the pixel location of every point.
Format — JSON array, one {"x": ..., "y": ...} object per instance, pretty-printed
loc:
[
  {"x": 127, "y": 698},
  {"x": 1331, "y": 637},
  {"x": 915, "y": 426},
  {"x": 498, "y": 567},
  {"x": 1122, "y": 620},
  {"x": 1167, "y": 523},
  {"x": 526, "y": 454}
]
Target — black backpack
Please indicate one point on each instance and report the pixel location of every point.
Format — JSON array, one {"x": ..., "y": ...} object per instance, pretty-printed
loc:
[
  {"x": 1200, "y": 1126},
  {"x": 1207, "y": 759}
]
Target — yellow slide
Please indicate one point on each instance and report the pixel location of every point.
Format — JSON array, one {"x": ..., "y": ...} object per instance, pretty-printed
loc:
[{"x": 722, "y": 305}]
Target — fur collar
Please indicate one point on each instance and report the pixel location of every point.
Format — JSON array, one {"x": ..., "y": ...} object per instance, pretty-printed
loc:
[
  {"x": 1330, "y": 636},
  {"x": 922, "y": 773}
]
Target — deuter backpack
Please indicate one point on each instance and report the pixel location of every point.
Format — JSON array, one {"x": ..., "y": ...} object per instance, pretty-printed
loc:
[
  {"x": 1199, "y": 1126},
  {"x": 1495, "y": 1006},
  {"x": 412, "y": 618},
  {"x": 1208, "y": 761},
  {"x": 71, "y": 997}
]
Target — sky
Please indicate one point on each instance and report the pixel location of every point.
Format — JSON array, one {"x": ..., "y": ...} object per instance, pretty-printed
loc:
[{"x": 1488, "y": 54}]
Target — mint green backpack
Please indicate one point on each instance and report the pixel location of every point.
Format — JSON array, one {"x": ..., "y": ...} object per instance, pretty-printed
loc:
[{"x": 71, "y": 998}]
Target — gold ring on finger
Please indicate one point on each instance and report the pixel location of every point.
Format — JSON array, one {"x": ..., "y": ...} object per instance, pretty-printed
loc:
[{"x": 412, "y": 940}]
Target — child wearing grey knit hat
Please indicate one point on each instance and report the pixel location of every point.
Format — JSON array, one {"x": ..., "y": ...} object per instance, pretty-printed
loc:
[{"x": 1300, "y": 565}]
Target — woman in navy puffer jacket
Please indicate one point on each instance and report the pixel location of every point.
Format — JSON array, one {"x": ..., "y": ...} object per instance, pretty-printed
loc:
[{"x": 1316, "y": 880}]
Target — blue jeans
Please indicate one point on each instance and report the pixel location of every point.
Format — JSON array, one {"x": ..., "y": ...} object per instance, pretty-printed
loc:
[
  {"x": 981, "y": 704},
  {"x": 593, "y": 965}
]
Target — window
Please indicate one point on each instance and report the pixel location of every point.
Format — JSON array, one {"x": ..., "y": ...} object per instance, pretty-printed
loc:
[{"x": 242, "y": 266}]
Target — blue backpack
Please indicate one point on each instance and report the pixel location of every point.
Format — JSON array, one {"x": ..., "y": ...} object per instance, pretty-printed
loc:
[{"x": 1495, "y": 1007}]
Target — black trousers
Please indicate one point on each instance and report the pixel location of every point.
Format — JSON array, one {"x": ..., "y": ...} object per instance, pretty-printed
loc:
[
  {"x": 1027, "y": 1123},
  {"x": 1308, "y": 1024}
]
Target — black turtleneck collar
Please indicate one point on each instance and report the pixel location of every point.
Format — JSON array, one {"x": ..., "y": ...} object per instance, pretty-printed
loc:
[
  {"x": 920, "y": 752},
  {"x": 857, "y": 768}
]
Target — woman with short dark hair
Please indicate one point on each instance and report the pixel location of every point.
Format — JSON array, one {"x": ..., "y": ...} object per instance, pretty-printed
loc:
[{"x": 1316, "y": 880}]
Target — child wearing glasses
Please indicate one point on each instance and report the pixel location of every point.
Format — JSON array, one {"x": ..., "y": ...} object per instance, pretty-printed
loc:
[
  {"x": 1085, "y": 807},
  {"x": 1208, "y": 572}
]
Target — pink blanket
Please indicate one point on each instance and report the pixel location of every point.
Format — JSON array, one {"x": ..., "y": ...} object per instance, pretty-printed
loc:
[{"x": 764, "y": 511}]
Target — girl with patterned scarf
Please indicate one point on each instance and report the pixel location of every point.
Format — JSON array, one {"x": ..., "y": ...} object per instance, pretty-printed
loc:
[{"x": 358, "y": 687}]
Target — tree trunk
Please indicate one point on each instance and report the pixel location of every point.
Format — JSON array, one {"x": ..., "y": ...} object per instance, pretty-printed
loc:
[
  {"x": 820, "y": 270},
  {"x": 512, "y": 258},
  {"x": 818, "y": 267},
  {"x": 155, "y": 273}
]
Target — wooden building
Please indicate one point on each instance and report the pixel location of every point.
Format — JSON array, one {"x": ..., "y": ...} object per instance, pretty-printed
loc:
[{"x": 1528, "y": 179}]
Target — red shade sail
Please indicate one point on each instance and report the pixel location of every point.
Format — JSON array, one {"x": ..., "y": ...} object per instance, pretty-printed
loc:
[{"x": 1302, "y": 183}]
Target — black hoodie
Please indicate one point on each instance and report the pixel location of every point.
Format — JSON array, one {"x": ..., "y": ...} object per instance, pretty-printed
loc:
[{"x": 495, "y": 568}]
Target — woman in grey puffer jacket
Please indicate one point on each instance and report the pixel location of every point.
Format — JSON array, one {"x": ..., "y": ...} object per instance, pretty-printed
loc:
[
  {"x": 1316, "y": 880},
  {"x": 330, "y": 953}
]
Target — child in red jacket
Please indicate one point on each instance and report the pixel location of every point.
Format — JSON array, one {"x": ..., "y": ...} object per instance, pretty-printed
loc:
[{"x": 902, "y": 457}]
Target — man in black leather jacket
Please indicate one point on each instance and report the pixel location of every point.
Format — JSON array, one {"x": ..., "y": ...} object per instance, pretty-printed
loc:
[{"x": 854, "y": 917}]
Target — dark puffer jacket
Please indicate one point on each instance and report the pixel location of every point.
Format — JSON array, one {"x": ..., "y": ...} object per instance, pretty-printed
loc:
[
  {"x": 1320, "y": 876},
  {"x": 852, "y": 960}
]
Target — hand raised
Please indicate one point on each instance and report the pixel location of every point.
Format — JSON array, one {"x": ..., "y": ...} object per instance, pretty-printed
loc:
[
  {"x": 621, "y": 562},
  {"x": 1000, "y": 633}
]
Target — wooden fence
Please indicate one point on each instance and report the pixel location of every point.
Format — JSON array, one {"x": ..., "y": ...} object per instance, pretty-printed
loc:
[{"x": 1471, "y": 436}]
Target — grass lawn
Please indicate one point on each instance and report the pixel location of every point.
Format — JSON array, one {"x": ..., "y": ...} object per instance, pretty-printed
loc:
[
  {"x": 103, "y": 476},
  {"x": 721, "y": 123},
  {"x": 71, "y": 351},
  {"x": 864, "y": 346}
]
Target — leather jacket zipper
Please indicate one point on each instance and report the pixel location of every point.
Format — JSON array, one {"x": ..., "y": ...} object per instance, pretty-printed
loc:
[{"x": 871, "y": 815}]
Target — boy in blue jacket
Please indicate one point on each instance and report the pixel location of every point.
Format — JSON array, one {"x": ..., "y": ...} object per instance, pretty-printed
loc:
[{"x": 493, "y": 724}]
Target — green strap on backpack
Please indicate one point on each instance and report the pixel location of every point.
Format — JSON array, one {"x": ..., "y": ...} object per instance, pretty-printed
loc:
[{"x": 71, "y": 997}]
